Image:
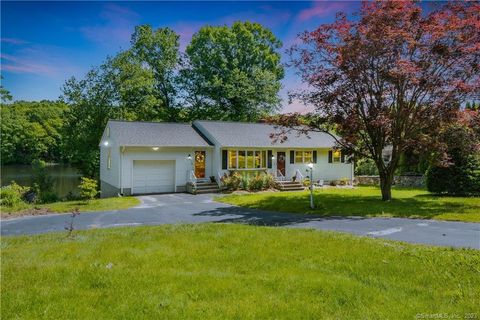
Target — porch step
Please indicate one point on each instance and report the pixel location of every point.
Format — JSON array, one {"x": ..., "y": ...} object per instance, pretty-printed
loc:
[
  {"x": 207, "y": 187},
  {"x": 200, "y": 191},
  {"x": 290, "y": 185}
]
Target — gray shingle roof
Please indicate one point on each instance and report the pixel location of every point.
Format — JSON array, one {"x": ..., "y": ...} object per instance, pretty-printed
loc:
[
  {"x": 241, "y": 134},
  {"x": 132, "y": 133}
]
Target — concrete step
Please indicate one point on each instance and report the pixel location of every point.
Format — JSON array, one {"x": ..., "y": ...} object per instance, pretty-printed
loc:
[
  {"x": 207, "y": 186},
  {"x": 199, "y": 191}
]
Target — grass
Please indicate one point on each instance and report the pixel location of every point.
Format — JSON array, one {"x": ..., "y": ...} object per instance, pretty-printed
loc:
[
  {"x": 218, "y": 271},
  {"x": 117, "y": 203},
  {"x": 364, "y": 201}
]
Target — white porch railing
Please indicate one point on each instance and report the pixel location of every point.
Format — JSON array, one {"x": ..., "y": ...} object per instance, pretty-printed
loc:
[
  {"x": 298, "y": 175},
  {"x": 192, "y": 178},
  {"x": 280, "y": 176},
  {"x": 219, "y": 179}
]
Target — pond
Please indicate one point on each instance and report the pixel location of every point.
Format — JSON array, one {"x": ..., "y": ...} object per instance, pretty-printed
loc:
[{"x": 66, "y": 178}]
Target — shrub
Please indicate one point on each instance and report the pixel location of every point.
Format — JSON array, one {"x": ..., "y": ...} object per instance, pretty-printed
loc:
[
  {"x": 88, "y": 188},
  {"x": 306, "y": 182},
  {"x": 12, "y": 194},
  {"x": 256, "y": 183},
  {"x": 456, "y": 179},
  {"x": 366, "y": 167},
  {"x": 268, "y": 181},
  {"x": 245, "y": 182},
  {"x": 232, "y": 182},
  {"x": 42, "y": 182},
  {"x": 49, "y": 197}
]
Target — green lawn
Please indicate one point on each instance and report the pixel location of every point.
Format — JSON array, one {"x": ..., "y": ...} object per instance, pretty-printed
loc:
[
  {"x": 67, "y": 206},
  {"x": 231, "y": 271},
  {"x": 364, "y": 201}
]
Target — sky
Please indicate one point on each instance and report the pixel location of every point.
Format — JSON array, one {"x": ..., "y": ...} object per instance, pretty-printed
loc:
[{"x": 45, "y": 43}]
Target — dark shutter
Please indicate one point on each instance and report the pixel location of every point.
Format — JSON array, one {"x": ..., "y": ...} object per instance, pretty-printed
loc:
[
  {"x": 224, "y": 159},
  {"x": 292, "y": 156},
  {"x": 330, "y": 156},
  {"x": 343, "y": 158},
  {"x": 269, "y": 159},
  {"x": 314, "y": 156}
]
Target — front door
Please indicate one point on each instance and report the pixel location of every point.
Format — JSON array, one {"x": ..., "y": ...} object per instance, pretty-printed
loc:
[
  {"x": 200, "y": 164},
  {"x": 281, "y": 162}
]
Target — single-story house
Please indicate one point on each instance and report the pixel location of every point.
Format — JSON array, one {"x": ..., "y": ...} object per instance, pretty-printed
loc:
[{"x": 159, "y": 157}]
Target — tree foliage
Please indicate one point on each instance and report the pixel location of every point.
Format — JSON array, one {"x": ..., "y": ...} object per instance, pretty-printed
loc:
[
  {"x": 31, "y": 130},
  {"x": 391, "y": 77},
  {"x": 457, "y": 169},
  {"x": 233, "y": 73}
]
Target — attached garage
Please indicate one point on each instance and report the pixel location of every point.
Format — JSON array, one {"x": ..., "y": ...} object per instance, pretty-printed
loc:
[{"x": 153, "y": 176}]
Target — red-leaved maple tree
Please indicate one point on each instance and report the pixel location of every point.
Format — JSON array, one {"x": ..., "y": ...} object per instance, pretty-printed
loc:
[{"x": 389, "y": 77}]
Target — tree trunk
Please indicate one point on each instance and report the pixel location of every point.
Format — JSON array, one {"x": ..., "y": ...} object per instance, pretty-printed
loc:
[{"x": 386, "y": 181}]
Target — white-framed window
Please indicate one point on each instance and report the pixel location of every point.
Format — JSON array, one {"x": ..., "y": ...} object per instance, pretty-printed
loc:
[
  {"x": 336, "y": 156},
  {"x": 109, "y": 159},
  {"x": 304, "y": 156},
  {"x": 247, "y": 159}
]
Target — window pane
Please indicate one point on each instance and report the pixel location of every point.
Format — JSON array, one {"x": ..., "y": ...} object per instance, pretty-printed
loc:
[
  {"x": 264, "y": 159},
  {"x": 258, "y": 159},
  {"x": 298, "y": 156},
  {"x": 337, "y": 156},
  {"x": 308, "y": 156},
  {"x": 232, "y": 159},
  {"x": 250, "y": 159},
  {"x": 241, "y": 159}
]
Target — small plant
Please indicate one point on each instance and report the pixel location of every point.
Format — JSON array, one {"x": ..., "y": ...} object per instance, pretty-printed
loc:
[
  {"x": 306, "y": 182},
  {"x": 343, "y": 182},
  {"x": 232, "y": 182},
  {"x": 88, "y": 188},
  {"x": 245, "y": 182},
  {"x": 256, "y": 183},
  {"x": 268, "y": 181},
  {"x": 12, "y": 194},
  {"x": 70, "y": 227}
]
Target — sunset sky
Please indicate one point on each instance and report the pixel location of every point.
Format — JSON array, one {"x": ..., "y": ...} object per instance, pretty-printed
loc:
[{"x": 44, "y": 43}]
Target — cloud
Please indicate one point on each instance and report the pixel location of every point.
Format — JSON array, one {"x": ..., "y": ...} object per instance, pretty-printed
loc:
[
  {"x": 117, "y": 26},
  {"x": 43, "y": 60},
  {"x": 13, "y": 41},
  {"x": 26, "y": 65},
  {"x": 320, "y": 9}
]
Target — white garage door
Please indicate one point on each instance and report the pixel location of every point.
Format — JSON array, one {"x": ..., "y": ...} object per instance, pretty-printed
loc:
[{"x": 153, "y": 176}]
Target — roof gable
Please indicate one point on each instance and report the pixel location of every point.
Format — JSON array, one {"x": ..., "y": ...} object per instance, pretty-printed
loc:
[
  {"x": 257, "y": 135},
  {"x": 136, "y": 133}
]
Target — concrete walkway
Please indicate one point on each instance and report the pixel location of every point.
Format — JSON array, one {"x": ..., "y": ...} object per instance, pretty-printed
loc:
[{"x": 186, "y": 208}]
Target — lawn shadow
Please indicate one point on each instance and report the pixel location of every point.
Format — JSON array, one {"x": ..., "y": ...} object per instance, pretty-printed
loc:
[
  {"x": 329, "y": 205},
  {"x": 263, "y": 217}
]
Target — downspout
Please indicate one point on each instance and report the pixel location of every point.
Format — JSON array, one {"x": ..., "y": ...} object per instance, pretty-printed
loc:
[{"x": 122, "y": 149}]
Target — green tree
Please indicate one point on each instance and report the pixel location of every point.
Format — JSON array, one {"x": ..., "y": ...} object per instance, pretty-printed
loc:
[
  {"x": 5, "y": 95},
  {"x": 31, "y": 131},
  {"x": 233, "y": 73},
  {"x": 135, "y": 84},
  {"x": 457, "y": 171},
  {"x": 88, "y": 188},
  {"x": 146, "y": 75},
  {"x": 92, "y": 102}
]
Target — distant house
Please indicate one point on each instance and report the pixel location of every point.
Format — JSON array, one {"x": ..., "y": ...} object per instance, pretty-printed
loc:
[{"x": 158, "y": 157}]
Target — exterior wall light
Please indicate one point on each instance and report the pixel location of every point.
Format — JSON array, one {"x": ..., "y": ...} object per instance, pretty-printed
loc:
[
  {"x": 154, "y": 148},
  {"x": 105, "y": 143}
]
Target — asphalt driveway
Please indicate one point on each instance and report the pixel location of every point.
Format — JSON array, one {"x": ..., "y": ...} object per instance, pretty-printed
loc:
[{"x": 186, "y": 208}]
